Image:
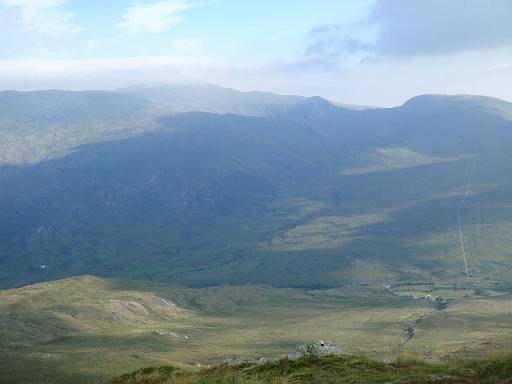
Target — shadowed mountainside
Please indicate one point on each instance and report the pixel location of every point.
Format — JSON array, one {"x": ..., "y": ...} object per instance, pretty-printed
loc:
[{"x": 315, "y": 198}]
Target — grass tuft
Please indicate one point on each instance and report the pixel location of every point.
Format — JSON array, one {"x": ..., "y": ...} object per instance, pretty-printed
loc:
[{"x": 333, "y": 369}]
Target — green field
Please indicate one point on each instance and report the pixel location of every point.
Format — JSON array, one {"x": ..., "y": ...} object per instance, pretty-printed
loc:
[
  {"x": 84, "y": 328},
  {"x": 331, "y": 369}
]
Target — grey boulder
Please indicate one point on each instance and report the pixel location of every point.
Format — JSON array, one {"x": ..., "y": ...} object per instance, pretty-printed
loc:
[{"x": 317, "y": 348}]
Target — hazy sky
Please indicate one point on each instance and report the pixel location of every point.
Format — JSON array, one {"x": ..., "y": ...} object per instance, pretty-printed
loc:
[{"x": 374, "y": 52}]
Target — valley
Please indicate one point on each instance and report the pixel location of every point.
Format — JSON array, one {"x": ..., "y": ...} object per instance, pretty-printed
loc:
[
  {"x": 156, "y": 235},
  {"x": 85, "y": 328},
  {"x": 255, "y": 192}
]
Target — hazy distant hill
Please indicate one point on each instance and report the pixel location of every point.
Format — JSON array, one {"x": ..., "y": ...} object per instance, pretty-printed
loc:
[
  {"x": 68, "y": 107},
  {"x": 40, "y": 125},
  {"x": 317, "y": 195},
  {"x": 214, "y": 99}
]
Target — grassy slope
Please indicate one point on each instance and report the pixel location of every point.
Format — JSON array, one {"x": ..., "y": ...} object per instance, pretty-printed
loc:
[
  {"x": 78, "y": 329},
  {"x": 317, "y": 236},
  {"x": 347, "y": 369}
]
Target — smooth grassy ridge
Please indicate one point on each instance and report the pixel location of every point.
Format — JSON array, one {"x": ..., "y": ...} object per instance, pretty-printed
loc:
[{"x": 346, "y": 369}]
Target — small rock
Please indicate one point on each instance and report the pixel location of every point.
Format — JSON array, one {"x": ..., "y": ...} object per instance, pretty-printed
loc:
[
  {"x": 234, "y": 362},
  {"x": 294, "y": 356},
  {"x": 318, "y": 348},
  {"x": 262, "y": 361},
  {"x": 171, "y": 334}
]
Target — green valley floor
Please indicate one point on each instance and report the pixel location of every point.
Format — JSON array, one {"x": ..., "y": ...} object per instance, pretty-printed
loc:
[{"x": 85, "y": 329}]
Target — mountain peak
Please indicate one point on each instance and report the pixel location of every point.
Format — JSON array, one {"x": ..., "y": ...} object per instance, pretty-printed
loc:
[
  {"x": 429, "y": 103},
  {"x": 314, "y": 107},
  {"x": 438, "y": 99}
]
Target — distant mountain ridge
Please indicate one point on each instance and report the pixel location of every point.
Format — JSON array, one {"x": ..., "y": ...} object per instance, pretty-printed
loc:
[
  {"x": 58, "y": 106},
  {"x": 213, "y": 99},
  {"x": 308, "y": 195},
  {"x": 38, "y": 125},
  {"x": 221, "y": 100}
]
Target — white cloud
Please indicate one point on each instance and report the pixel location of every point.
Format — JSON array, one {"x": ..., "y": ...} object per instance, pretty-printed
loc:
[
  {"x": 152, "y": 17},
  {"x": 387, "y": 82},
  {"x": 107, "y": 73},
  {"x": 42, "y": 16},
  {"x": 498, "y": 68},
  {"x": 34, "y": 4}
]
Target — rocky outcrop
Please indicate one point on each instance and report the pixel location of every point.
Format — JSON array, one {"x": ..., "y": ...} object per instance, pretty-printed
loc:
[
  {"x": 236, "y": 362},
  {"x": 318, "y": 348},
  {"x": 233, "y": 362}
]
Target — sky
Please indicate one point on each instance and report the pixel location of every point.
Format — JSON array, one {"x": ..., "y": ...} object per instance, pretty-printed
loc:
[{"x": 369, "y": 52}]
